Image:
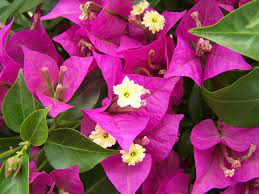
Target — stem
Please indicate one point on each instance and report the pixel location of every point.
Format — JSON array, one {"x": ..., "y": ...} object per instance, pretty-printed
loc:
[
  {"x": 9, "y": 152},
  {"x": 76, "y": 126},
  {"x": 25, "y": 145},
  {"x": 42, "y": 165}
]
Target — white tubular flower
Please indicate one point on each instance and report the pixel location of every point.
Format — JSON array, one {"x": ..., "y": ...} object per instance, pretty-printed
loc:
[
  {"x": 153, "y": 21},
  {"x": 135, "y": 155},
  {"x": 100, "y": 137},
  {"x": 129, "y": 93},
  {"x": 139, "y": 8}
]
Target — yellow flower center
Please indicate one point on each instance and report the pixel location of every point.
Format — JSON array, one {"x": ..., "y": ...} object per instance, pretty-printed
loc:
[
  {"x": 153, "y": 21},
  {"x": 102, "y": 138},
  {"x": 126, "y": 94},
  {"x": 105, "y": 135},
  {"x": 135, "y": 155},
  {"x": 129, "y": 93},
  {"x": 139, "y": 8}
]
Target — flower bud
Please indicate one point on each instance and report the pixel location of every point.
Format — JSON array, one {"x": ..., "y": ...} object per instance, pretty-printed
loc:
[{"x": 12, "y": 166}]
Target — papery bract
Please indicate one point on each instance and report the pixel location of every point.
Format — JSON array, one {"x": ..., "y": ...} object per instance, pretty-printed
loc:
[
  {"x": 127, "y": 179},
  {"x": 211, "y": 147},
  {"x": 140, "y": 57},
  {"x": 105, "y": 30},
  {"x": 68, "y": 180},
  {"x": 69, "y": 9},
  {"x": 9, "y": 67},
  {"x": 218, "y": 60},
  {"x": 163, "y": 136},
  {"x": 75, "y": 70},
  {"x": 166, "y": 176},
  {"x": 35, "y": 39},
  {"x": 250, "y": 187},
  {"x": 160, "y": 141},
  {"x": 160, "y": 89},
  {"x": 40, "y": 182}
]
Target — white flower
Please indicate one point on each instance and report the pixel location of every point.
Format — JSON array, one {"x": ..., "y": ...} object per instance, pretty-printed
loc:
[
  {"x": 153, "y": 21},
  {"x": 100, "y": 137},
  {"x": 135, "y": 155},
  {"x": 139, "y": 8},
  {"x": 129, "y": 93}
]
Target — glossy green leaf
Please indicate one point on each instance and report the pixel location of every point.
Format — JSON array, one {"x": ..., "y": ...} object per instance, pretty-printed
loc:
[
  {"x": 34, "y": 128},
  {"x": 153, "y": 3},
  {"x": 17, "y": 7},
  {"x": 92, "y": 85},
  {"x": 68, "y": 147},
  {"x": 238, "y": 103},
  {"x": 18, "y": 184},
  {"x": 254, "y": 21},
  {"x": 4, "y": 3},
  {"x": 235, "y": 30},
  {"x": 195, "y": 104},
  {"x": 6, "y": 143},
  {"x": 18, "y": 104},
  {"x": 97, "y": 182},
  {"x": 29, "y": 5}
]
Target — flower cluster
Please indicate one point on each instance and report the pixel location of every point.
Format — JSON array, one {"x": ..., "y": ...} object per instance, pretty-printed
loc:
[{"x": 143, "y": 67}]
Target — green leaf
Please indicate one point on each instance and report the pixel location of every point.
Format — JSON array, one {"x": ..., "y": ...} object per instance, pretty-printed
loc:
[
  {"x": 17, "y": 7},
  {"x": 18, "y": 104},
  {"x": 68, "y": 147},
  {"x": 235, "y": 30},
  {"x": 29, "y": 5},
  {"x": 34, "y": 128},
  {"x": 153, "y": 3},
  {"x": 254, "y": 21},
  {"x": 7, "y": 142},
  {"x": 195, "y": 105},
  {"x": 238, "y": 103},
  {"x": 18, "y": 184},
  {"x": 93, "y": 84},
  {"x": 4, "y": 3},
  {"x": 97, "y": 182}
]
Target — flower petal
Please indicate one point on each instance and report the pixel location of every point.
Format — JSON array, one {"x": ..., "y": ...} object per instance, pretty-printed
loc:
[
  {"x": 185, "y": 63},
  {"x": 208, "y": 172},
  {"x": 126, "y": 179},
  {"x": 123, "y": 127},
  {"x": 68, "y": 180},
  {"x": 77, "y": 68},
  {"x": 163, "y": 137},
  {"x": 222, "y": 59},
  {"x": 55, "y": 107},
  {"x": 33, "y": 64},
  {"x": 205, "y": 135}
]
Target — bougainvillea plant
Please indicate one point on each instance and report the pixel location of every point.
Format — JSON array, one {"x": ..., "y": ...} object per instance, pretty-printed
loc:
[{"x": 129, "y": 96}]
